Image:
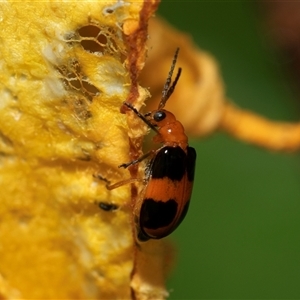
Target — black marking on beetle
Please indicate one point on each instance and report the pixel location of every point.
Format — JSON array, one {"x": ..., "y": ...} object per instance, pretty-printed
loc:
[
  {"x": 157, "y": 214},
  {"x": 168, "y": 162},
  {"x": 190, "y": 163}
]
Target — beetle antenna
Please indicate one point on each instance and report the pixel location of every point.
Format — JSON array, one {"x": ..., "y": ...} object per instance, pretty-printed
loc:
[
  {"x": 168, "y": 87},
  {"x": 140, "y": 116}
]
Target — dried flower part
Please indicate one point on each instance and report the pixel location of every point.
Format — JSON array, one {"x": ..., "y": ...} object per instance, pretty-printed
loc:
[
  {"x": 153, "y": 262},
  {"x": 66, "y": 68},
  {"x": 252, "y": 128},
  {"x": 198, "y": 99}
]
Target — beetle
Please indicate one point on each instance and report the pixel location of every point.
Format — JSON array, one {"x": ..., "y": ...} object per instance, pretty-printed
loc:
[{"x": 169, "y": 174}]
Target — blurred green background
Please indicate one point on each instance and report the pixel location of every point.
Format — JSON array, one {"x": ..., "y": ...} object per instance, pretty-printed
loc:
[{"x": 240, "y": 239}]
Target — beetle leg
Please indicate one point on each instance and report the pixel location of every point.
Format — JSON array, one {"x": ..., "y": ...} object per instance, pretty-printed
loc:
[
  {"x": 126, "y": 165},
  {"x": 98, "y": 176},
  {"x": 123, "y": 182},
  {"x": 110, "y": 186}
]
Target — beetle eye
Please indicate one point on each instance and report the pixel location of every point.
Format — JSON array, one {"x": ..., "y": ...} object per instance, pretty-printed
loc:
[{"x": 159, "y": 116}]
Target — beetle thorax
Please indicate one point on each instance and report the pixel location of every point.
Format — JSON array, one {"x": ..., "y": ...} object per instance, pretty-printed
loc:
[{"x": 172, "y": 134}]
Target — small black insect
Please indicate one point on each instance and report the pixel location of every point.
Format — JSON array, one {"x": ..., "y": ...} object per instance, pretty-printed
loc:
[{"x": 108, "y": 206}]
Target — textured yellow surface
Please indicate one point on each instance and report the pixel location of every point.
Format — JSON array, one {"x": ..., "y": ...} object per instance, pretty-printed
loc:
[{"x": 62, "y": 82}]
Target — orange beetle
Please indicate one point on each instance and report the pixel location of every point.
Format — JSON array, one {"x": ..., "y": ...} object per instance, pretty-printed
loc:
[{"x": 169, "y": 175}]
